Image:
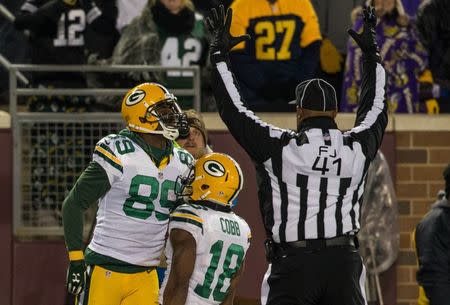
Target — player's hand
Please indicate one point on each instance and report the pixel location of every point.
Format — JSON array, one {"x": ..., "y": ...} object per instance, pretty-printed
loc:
[
  {"x": 76, "y": 277},
  {"x": 367, "y": 39},
  {"x": 219, "y": 25}
]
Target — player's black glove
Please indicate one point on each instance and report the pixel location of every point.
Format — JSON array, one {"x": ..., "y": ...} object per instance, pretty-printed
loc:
[
  {"x": 76, "y": 277},
  {"x": 367, "y": 39},
  {"x": 219, "y": 25}
]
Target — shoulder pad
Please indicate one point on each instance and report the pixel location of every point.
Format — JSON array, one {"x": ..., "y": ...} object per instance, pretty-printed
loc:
[
  {"x": 187, "y": 214},
  {"x": 109, "y": 139},
  {"x": 106, "y": 151}
]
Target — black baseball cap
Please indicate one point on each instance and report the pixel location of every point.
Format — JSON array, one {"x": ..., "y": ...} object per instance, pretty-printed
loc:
[{"x": 315, "y": 94}]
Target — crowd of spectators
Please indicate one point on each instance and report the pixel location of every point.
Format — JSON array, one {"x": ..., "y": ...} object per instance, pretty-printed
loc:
[{"x": 292, "y": 40}]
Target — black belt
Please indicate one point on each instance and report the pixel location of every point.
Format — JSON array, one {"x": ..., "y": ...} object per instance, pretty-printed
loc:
[{"x": 320, "y": 243}]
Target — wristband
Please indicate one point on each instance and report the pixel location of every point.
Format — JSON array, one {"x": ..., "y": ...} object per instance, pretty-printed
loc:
[{"x": 76, "y": 255}]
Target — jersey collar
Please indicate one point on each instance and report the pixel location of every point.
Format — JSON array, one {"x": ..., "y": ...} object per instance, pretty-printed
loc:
[{"x": 156, "y": 154}]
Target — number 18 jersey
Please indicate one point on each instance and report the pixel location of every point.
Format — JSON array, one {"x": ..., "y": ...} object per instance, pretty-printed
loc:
[{"x": 222, "y": 241}]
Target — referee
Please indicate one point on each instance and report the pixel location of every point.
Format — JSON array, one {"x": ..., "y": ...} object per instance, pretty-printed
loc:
[{"x": 311, "y": 181}]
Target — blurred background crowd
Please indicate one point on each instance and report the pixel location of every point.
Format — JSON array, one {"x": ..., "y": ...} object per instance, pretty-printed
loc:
[{"x": 291, "y": 41}]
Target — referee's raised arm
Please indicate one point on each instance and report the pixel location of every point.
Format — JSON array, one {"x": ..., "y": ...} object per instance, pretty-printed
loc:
[
  {"x": 371, "y": 117},
  {"x": 255, "y": 136}
]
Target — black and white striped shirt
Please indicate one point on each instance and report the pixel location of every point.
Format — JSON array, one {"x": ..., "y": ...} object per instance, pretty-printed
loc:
[{"x": 310, "y": 182}]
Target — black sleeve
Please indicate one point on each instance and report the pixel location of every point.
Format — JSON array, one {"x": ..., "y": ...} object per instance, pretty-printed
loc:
[
  {"x": 440, "y": 261},
  {"x": 101, "y": 35},
  {"x": 371, "y": 117},
  {"x": 35, "y": 17},
  {"x": 258, "y": 138}
]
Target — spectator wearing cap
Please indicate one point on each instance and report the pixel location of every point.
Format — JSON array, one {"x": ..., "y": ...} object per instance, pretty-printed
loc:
[
  {"x": 432, "y": 238},
  {"x": 197, "y": 141}
]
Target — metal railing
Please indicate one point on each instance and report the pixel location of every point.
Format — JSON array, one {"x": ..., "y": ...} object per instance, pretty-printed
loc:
[
  {"x": 51, "y": 149},
  {"x": 15, "y": 70}
]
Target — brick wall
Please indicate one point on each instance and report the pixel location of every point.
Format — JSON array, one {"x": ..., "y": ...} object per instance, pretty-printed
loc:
[{"x": 420, "y": 160}]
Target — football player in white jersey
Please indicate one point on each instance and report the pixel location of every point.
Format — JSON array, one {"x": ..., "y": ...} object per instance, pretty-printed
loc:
[
  {"x": 132, "y": 176},
  {"x": 207, "y": 242}
]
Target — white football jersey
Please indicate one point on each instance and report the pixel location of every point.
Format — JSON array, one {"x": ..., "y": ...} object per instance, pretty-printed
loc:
[
  {"x": 133, "y": 215},
  {"x": 222, "y": 241}
]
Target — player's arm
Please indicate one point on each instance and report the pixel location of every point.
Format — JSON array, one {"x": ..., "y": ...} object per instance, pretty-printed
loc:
[
  {"x": 371, "y": 117},
  {"x": 92, "y": 185},
  {"x": 255, "y": 136},
  {"x": 233, "y": 286},
  {"x": 441, "y": 245},
  {"x": 183, "y": 262},
  {"x": 32, "y": 16}
]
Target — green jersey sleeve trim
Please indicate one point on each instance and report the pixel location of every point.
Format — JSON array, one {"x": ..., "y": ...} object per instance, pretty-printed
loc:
[{"x": 175, "y": 218}]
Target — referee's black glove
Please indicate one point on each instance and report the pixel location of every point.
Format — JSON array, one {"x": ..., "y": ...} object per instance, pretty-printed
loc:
[
  {"x": 367, "y": 39},
  {"x": 219, "y": 25}
]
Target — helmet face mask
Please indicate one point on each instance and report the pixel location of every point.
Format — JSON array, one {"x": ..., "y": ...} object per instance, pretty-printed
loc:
[
  {"x": 215, "y": 177},
  {"x": 166, "y": 113},
  {"x": 150, "y": 108}
]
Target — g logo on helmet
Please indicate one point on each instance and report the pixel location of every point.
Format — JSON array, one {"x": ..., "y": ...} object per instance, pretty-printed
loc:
[
  {"x": 214, "y": 168},
  {"x": 135, "y": 97}
]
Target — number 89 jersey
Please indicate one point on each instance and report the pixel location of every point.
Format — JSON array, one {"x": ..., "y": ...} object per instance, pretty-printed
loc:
[
  {"x": 133, "y": 215},
  {"x": 222, "y": 241}
]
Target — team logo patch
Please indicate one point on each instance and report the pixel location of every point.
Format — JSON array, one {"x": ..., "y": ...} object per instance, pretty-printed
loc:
[
  {"x": 135, "y": 97},
  {"x": 214, "y": 168}
]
